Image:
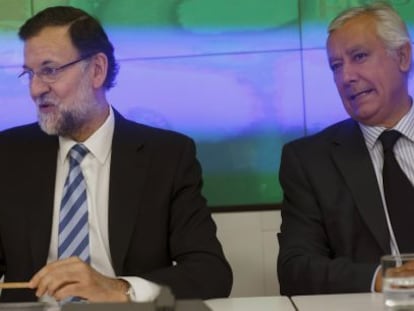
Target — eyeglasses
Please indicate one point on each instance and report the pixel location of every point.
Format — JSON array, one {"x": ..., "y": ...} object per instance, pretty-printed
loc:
[{"x": 48, "y": 74}]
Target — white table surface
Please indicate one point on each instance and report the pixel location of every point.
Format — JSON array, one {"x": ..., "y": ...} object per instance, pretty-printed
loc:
[
  {"x": 340, "y": 302},
  {"x": 273, "y": 303}
]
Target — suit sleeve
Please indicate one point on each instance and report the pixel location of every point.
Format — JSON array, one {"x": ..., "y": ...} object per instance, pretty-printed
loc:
[
  {"x": 307, "y": 263},
  {"x": 200, "y": 270}
]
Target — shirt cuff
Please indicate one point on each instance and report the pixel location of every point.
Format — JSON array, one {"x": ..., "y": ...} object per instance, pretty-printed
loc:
[
  {"x": 374, "y": 278},
  {"x": 142, "y": 290}
]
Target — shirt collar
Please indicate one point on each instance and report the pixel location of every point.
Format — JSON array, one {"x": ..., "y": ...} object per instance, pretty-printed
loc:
[
  {"x": 405, "y": 126},
  {"x": 98, "y": 144}
]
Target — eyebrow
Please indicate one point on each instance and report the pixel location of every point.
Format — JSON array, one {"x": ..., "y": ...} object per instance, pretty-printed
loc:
[
  {"x": 348, "y": 51},
  {"x": 44, "y": 63},
  {"x": 354, "y": 49}
]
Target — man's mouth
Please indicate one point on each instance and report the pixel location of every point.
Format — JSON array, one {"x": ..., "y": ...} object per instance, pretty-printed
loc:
[
  {"x": 45, "y": 106},
  {"x": 360, "y": 94}
]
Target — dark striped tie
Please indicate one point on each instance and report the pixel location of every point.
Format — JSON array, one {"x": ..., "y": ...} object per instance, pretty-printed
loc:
[
  {"x": 399, "y": 194},
  {"x": 73, "y": 219}
]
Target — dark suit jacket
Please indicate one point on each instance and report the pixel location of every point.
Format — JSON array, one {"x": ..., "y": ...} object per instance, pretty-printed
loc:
[
  {"x": 333, "y": 228},
  {"x": 156, "y": 211}
]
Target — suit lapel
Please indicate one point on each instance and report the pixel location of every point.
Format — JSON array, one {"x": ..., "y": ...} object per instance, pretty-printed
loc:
[
  {"x": 352, "y": 157},
  {"x": 40, "y": 212},
  {"x": 127, "y": 176}
]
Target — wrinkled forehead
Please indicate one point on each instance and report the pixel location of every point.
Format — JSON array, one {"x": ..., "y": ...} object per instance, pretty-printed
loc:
[
  {"x": 356, "y": 32},
  {"x": 52, "y": 43},
  {"x": 359, "y": 25}
]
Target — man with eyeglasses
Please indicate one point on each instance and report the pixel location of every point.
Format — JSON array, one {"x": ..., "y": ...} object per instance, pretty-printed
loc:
[{"x": 136, "y": 189}]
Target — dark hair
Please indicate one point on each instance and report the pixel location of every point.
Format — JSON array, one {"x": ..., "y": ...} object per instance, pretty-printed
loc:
[{"x": 85, "y": 31}]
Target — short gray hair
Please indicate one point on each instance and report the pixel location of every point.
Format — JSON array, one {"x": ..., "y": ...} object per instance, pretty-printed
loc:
[{"x": 390, "y": 27}]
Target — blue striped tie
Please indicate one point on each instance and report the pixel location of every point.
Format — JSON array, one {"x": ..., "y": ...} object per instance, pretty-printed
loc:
[{"x": 73, "y": 222}]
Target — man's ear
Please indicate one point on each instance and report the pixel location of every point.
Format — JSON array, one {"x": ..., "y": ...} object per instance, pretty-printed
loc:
[
  {"x": 404, "y": 54},
  {"x": 100, "y": 69}
]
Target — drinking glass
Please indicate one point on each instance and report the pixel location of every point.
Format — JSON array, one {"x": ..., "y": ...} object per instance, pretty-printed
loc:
[{"x": 398, "y": 281}]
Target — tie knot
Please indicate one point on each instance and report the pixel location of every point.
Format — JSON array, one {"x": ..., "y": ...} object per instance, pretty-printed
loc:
[
  {"x": 388, "y": 139},
  {"x": 78, "y": 153}
]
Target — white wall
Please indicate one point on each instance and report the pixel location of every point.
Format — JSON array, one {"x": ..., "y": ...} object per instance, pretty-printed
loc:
[{"x": 250, "y": 244}]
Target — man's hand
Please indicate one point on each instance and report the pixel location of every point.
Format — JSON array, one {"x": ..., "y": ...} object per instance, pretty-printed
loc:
[
  {"x": 72, "y": 277},
  {"x": 378, "y": 281},
  {"x": 405, "y": 270}
]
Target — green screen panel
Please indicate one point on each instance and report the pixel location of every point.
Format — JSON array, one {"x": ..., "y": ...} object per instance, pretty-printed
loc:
[
  {"x": 232, "y": 105},
  {"x": 165, "y": 28}
]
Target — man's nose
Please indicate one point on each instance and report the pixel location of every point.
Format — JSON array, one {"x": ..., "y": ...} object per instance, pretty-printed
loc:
[
  {"x": 349, "y": 74},
  {"x": 38, "y": 87}
]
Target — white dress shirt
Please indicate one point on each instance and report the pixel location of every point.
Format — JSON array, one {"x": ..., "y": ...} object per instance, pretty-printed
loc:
[
  {"x": 96, "y": 170},
  {"x": 404, "y": 153}
]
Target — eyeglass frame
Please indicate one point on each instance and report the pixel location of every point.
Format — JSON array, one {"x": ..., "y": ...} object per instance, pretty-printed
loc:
[{"x": 52, "y": 76}]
